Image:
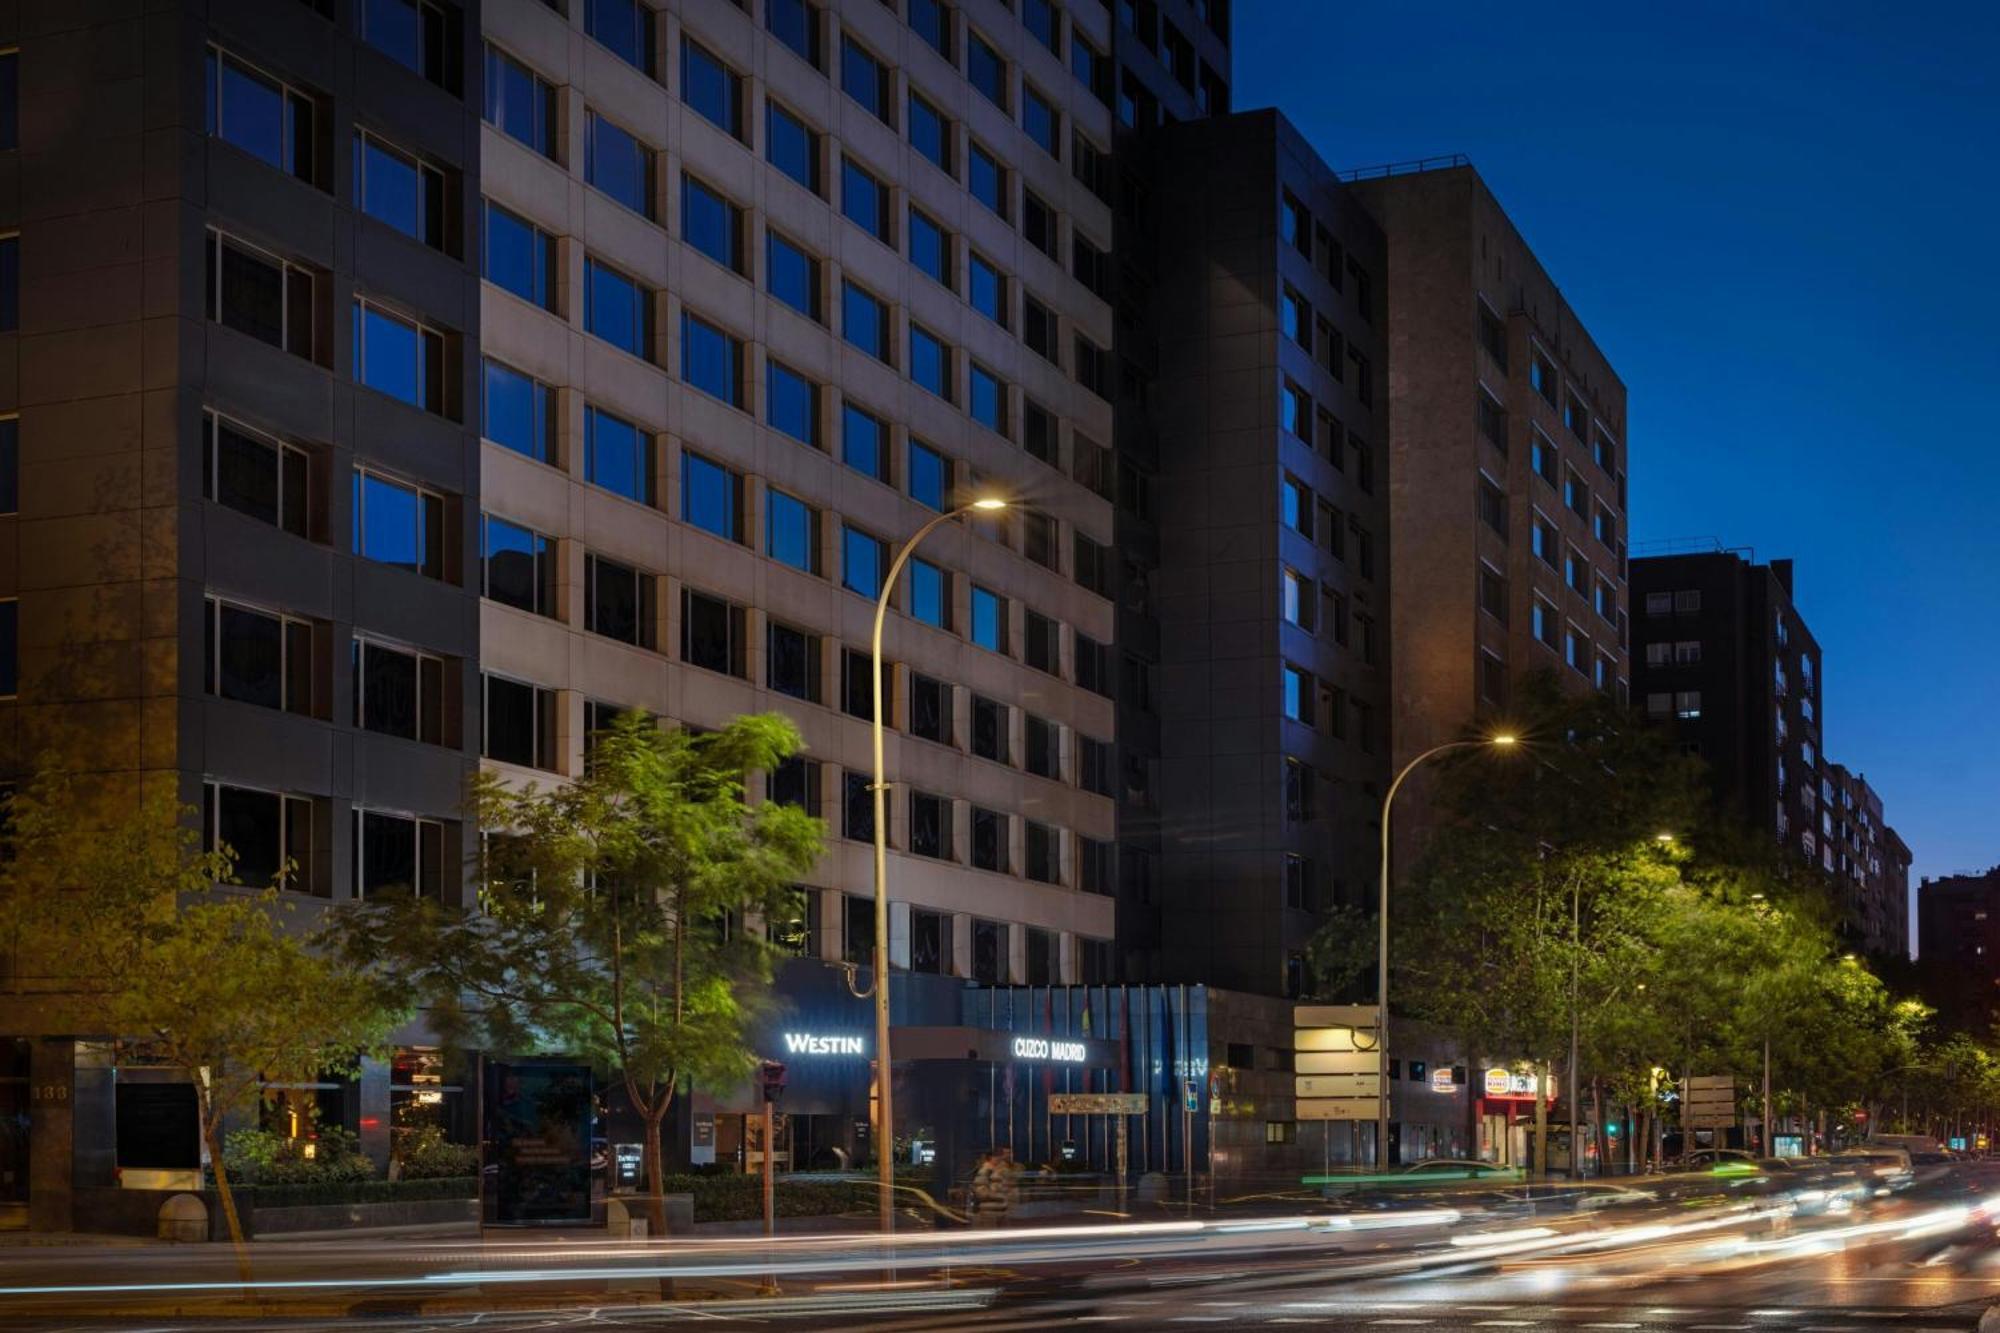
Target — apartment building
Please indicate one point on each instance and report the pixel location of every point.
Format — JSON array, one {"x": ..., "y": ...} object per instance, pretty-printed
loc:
[
  {"x": 241, "y": 346},
  {"x": 1272, "y": 589},
  {"x": 1958, "y": 947},
  {"x": 1507, "y": 464},
  {"x": 767, "y": 287},
  {"x": 1870, "y": 863}
]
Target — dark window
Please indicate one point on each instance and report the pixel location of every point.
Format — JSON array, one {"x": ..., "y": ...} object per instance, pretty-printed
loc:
[
  {"x": 989, "y": 840},
  {"x": 1092, "y": 562},
  {"x": 928, "y": 942},
  {"x": 10, "y": 469},
  {"x": 265, "y": 830},
  {"x": 617, "y": 601},
  {"x": 1044, "y": 852},
  {"x": 930, "y": 133},
  {"x": 625, "y": 27},
  {"x": 989, "y": 729},
  {"x": 1041, "y": 957},
  {"x": 857, "y": 807},
  {"x": 1039, "y": 17},
  {"x": 713, "y": 89},
  {"x": 711, "y": 496},
  {"x": 795, "y": 781},
  {"x": 10, "y": 100},
  {"x": 1492, "y": 421},
  {"x": 1038, "y": 432},
  {"x": 1492, "y": 593},
  {"x": 247, "y": 472},
  {"x": 1038, "y": 330},
  {"x": 796, "y": 25},
  {"x": 930, "y": 709},
  {"x": 711, "y": 633},
  {"x": 930, "y": 825},
  {"x": 986, "y": 69},
  {"x": 398, "y": 524},
  {"x": 859, "y": 927},
  {"x": 1043, "y": 649},
  {"x": 792, "y": 663},
  {"x": 617, "y": 163},
  {"x": 398, "y": 692},
  {"x": 520, "y": 103},
  {"x": 792, "y": 146},
  {"x": 520, "y": 723},
  {"x": 1042, "y": 121},
  {"x": 1039, "y": 225},
  {"x": 791, "y": 531},
  {"x": 520, "y": 412},
  {"x": 1090, "y": 66},
  {"x": 791, "y": 403},
  {"x": 857, "y": 699},
  {"x": 792, "y": 275},
  {"x": 991, "y": 965},
  {"x": 394, "y": 854},
  {"x": 931, "y": 20},
  {"x": 253, "y": 657},
  {"x": 711, "y": 360},
  {"x": 711, "y": 224},
  {"x": 930, "y": 247},
  {"x": 1096, "y": 866},
  {"x": 865, "y": 79},
  {"x": 518, "y": 566},
  {"x": 520, "y": 257},
  {"x": 10, "y": 648},
  {"x": 617, "y": 455},
  {"x": 392, "y": 186},
  {"x": 1043, "y": 743},
  {"x": 1493, "y": 507},
  {"x": 1094, "y": 765},
  {"x": 248, "y": 290},
  {"x": 1493, "y": 335},
  {"x": 986, "y": 289},
  {"x": 616, "y": 308}
]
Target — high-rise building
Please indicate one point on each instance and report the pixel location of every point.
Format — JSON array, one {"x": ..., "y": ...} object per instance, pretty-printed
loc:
[
  {"x": 1274, "y": 579},
  {"x": 1506, "y": 461},
  {"x": 1958, "y": 948},
  {"x": 1865, "y": 852}
]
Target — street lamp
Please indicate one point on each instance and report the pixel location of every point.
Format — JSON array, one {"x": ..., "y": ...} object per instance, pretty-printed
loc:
[
  {"x": 1502, "y": 740},
  {"x": 885, "y": 1130}
]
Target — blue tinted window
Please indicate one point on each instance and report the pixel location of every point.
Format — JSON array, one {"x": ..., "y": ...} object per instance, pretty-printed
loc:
[
  {"x": 863, "y": 79},
  {"x": 864, "y": 321},
  {"x": 864, "y": 442},
  {"x": 519, "y": 566},
  {"x": 861, "y": 561},
  {"x": 987, "y": 70},
  {"x": 986, "y": 290},
  {"x": 617, "y": 455},
  {"x": 519, "y": 256},
  {"x": 618, "y": 164},
  {"x": 864, "y": 200},
  {"x": 986, "y": 180},
  {"x": 711, "y": 88},
  {"x": 796, "y": 24},
  {"x": 793, "y": 275},
  {"x": 929, "y": 600},
  {"x": 788, "y": 536},
  {"x": 520, "y": 104},
  {"x": 389, "y": 356},
  {"x": 792, "y": 402},
  {"x": 390, "y": 187},
  {"x": 711, "y": 360},
  {"x": 709, "y": 496},
  {"x": 250, "y": 113},
  {"x": 930, "y": 475},
  {"x": 622, "y": 25},
  {"x": 1039, "y": 119},
  {"x": 398, "y": 525},
  {"x": 1039, "y": 18},
  {"x": 930, "y": 20},
  {"x": 930, "y": 133},
  {"x": 930, "y": 362},
  {"x": 394, "y": 28},
  {"x": 520, "y": 412},
  {"x": 930, "y": 250},
  {"x": 790, "y": 146},
  {"x": 614, "y": 307},
  {"x": 989, "y": 401},
  {"x": 711, "y": 224},
  {"x": 988, "y": 619}
]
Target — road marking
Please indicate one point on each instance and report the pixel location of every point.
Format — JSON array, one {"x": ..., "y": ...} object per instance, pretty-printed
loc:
[
  {"x": 1611, "y": 1326},
  {"x": 1693, "y": 1327},
  {"x": 1505, "y": 1323},
  {"x": 1402, "y": 1321}
]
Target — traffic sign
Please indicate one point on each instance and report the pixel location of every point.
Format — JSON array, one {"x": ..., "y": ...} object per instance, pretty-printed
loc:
[{"x": 1710, "y": 1101}]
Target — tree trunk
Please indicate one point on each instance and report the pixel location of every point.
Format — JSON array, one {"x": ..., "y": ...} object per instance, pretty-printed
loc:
[
  {"x": 211, "y": 1133},
  {"x": 1599, "y": 1142},
  {"x": 1542, "y": 1121},
  {"x": 656, "y": 1185}
]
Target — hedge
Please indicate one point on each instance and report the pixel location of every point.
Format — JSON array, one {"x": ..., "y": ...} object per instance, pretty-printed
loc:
[{"x": 357, "y": 1191}]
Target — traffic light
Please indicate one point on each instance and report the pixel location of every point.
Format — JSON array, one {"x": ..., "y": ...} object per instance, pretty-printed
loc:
[
  {"x": 771, "y": 1078},
  {"x": 1614, "y": 1130}
]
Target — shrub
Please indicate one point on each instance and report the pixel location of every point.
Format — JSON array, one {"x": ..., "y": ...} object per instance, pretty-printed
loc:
[
  {"x": 265, "y": 1157},
  {"x": 424, "y": 1154},
  {"x": 358, "y": 1191}
]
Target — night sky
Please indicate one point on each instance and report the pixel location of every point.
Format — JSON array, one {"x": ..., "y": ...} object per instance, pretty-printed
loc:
[{"x": 1779, "y": 224}]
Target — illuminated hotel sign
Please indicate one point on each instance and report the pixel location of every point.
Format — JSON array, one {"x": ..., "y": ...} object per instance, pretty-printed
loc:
[
  {"x": 813, "y": 1043},
  {"x": 1041, "y": 1048}
]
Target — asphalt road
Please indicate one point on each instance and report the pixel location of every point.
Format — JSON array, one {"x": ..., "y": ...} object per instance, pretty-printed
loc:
[{"x": 1924, "y": 1259}]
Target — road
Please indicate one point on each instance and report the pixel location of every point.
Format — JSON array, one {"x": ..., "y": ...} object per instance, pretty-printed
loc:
[{"x": 1717, "y": 1256}]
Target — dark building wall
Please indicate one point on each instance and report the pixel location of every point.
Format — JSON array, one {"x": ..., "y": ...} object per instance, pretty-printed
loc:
[
  {"x": 1958, "y": 948},
  {"x": 1250, "y": 860}
]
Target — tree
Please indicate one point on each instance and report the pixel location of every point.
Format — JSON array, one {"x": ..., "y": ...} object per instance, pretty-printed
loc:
[
  {"x": 615, "y": 914},
  {"x": 232, "y": 987}
]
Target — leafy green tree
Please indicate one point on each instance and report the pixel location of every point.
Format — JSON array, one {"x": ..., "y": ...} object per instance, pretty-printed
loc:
[
  {"x": 234, "y": 988},
  {"x": 613, "y": 914}
]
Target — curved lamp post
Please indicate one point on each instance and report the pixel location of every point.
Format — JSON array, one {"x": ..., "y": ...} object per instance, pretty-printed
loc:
[
  {"x": 1502, "y": 740},
  {"x": 885, "y": 1131}
]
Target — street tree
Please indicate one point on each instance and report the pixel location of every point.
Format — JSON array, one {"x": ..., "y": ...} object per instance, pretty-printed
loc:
[
  {"x": 136, "y": 931},
  {"x": 617, "y": 915}
]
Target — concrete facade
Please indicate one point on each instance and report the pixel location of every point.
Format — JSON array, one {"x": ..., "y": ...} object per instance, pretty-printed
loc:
[{"x": 1272, "y": 593}]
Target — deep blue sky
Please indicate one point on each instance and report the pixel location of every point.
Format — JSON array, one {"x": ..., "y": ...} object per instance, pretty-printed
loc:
[{"x": 1778, "y": 221}]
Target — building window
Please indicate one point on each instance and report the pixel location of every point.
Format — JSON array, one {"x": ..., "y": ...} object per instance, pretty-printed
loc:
[
  {"x": 1492, "y": 421},
  {"x": 1042, "y": 121},
  {"x": 399, "y": 524},
  {"x": 520, "y": 412},
  {"x": 1039, "y": 225},
  {"x": 1687, "y": 706},
  {"x": 1038, "y": 539},
  {"x": 857, "y": 694},
  {"x": 616, "y": 162},
  {"x": 1576, "y": 651},
  {"x": 1295, "y": 225},
  {"x": 791, "y": 403},
  {"x": 519, "y": 257},
  {"x": 864, "y": 201},
  {"x": 792, "y": 275},
  {"x": 625, "y": 27},
  {"x": 249, "y": 290},
  {"x": 1090, "y": 66},
  {"x": 1295, "y": 317},
  {"x": 713, "y": 89},
  {"x": 930, "y": 825},
  {"x": 616, "y": 308},
  {"x": 711, "y": 360},
  {"x": 397, "y": 854},
  {"x": 1298, "y": 791},
  {"x": 987, "y": 401},
  {"x": 930, "y": 132},
  {"x": 259, "y": 114},
  {"x": 795, "y": 782},
  {"x": 931, "y": 20},
  {"x": 792, "y": 146},
  {"x": 986, "y": 179},
  {"x": 711, "y": 224},
  {"x": 863, "y": 560},
  {"x": 711, "y": 497},
  {"x": 10, "y": 470},
  {"x": 989, "y": 620},
  {"x": 248, "y": 472},
  {"x": 796, "y": 25},
  {"x": 1493, "y": 506},
  {"x": 929, "y": 942},
  {"x": 930, "y": 247},
  {"x": 517, "y": 566},
  {"x": 1298, "y": 694},
  {"x": 1546, "y": 625},
  {"x": 992, "y": 964},
  {"x": 989, "y": 840},
  {"x": 791, "y": 531},
  {"x": 1043, "y": 647},
  {"x": 1492, "y": 593},
  {"x": 271, "y": 835},
  {"x": 929, "y": 475},
  {"x": 1547, "y": 542},
  {"x": 1493, "y": 335},
  {"x": 792, "y": 662},
  {"x": 712, "y": 633},
  {"x": 1542, "y": 377},
  {"x": 519, "y": 102},
  {"x": 864, "y": 442},
  {"x": 1294, "y": 409},
  {"x": 617, "y": 455},
  {"x": 930, "y": 362},
  {"x": 520, "y": 723},
  {"x": 1038, "y": 330},
  {"x": 394, "y": 187},
  {"x": 618, "y": 602},
  {"x": 986, "y": 70},
  {"x": 930, "y": 709},
  {"x": 1492, "y": 678},
  {"x": 865, "y": 79},
  {"x": 1043, "y": 847},
  {"x": 864, "y": 322},
  {"x": 1296, "y": 601},
  {"x": 986, "y": 289},
  {"x": 930, "y": 594},
  {"x": 251, "y": 656},
  {"x": 1542, "y": 456},
  {"x": 990, "y": 730},
  {"x": 398, "y": 692}
]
